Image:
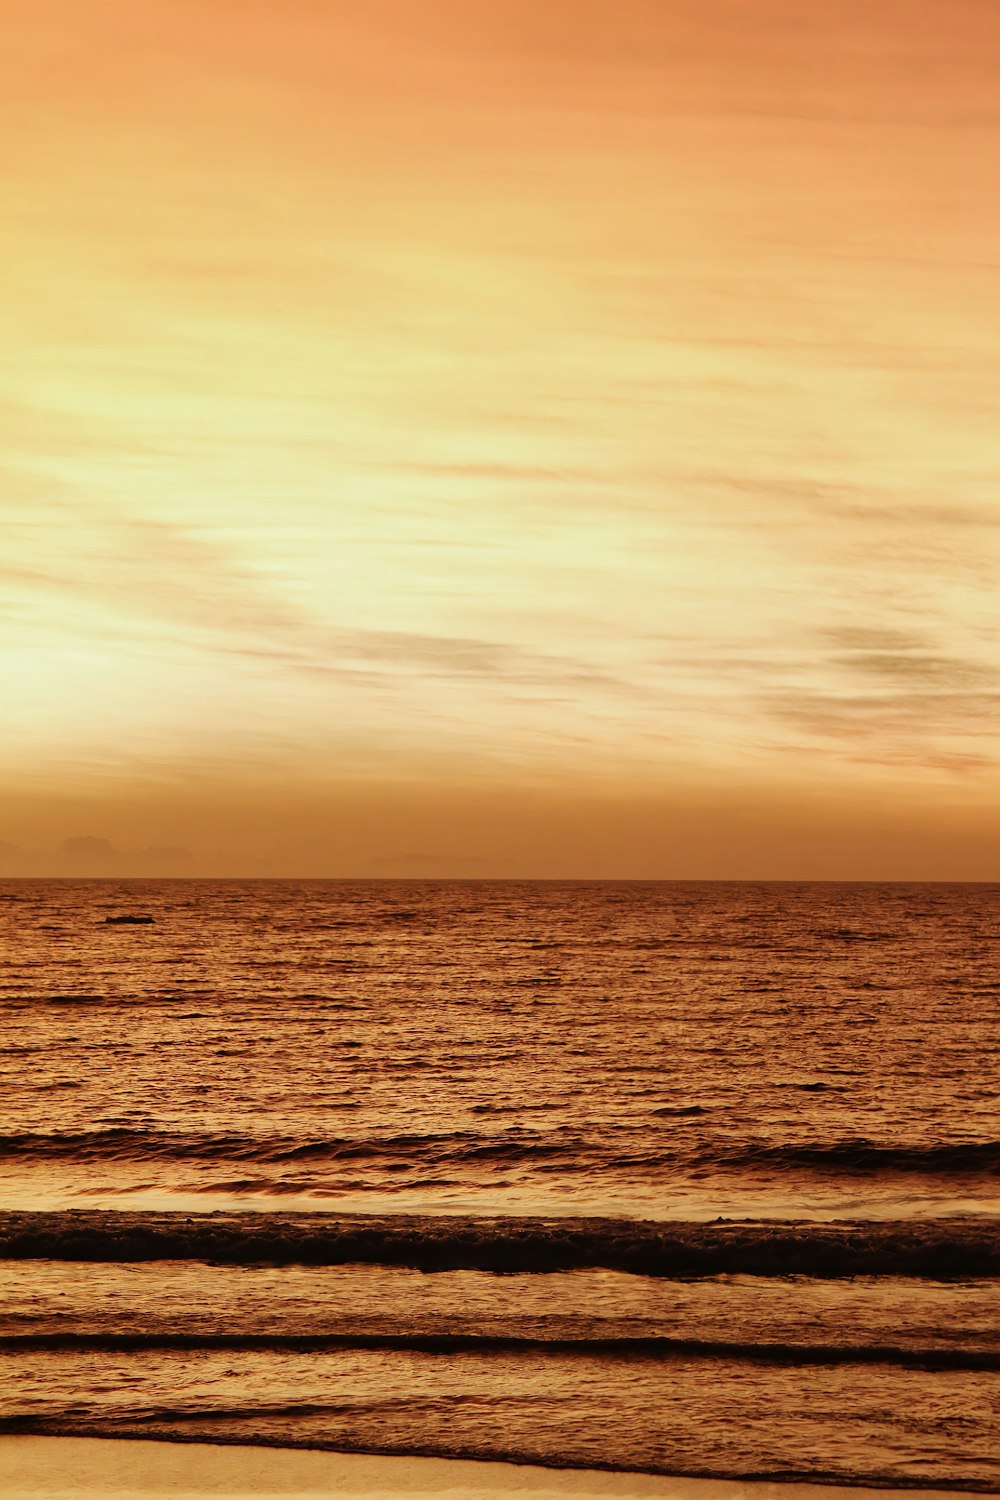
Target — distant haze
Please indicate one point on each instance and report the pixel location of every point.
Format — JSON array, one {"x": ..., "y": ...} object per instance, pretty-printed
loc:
[{"x": 501, "y": 438}]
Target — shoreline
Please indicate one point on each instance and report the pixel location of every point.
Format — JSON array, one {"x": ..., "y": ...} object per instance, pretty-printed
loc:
[{"x": 47, "y": 1467}]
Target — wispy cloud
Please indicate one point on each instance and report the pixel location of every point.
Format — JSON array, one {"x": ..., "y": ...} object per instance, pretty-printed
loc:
[{"x": 611, "y": 401}]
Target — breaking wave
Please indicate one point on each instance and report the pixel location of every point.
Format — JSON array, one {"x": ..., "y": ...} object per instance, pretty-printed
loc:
[{"x": 943, "y": 1249}]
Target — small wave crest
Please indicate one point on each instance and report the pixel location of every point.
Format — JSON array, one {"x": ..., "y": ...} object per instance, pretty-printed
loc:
[
  {"x": 947, "y": 1158},
  {"x": 645, "y": 1149},
  {"x": 124, "y": 1143},
  {"x": 652, "y": 1347},
  {"x": 943, "y": 1249}
]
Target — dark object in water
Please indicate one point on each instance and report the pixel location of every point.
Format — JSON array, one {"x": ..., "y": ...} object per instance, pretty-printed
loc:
[{"x": 129, "y": 921}]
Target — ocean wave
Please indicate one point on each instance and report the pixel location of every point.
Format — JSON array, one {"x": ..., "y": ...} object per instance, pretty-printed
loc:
[
  {"x": 648, "y": 1347},
  {"x": 942, "y": 1249},
  {"x": 643, "y": 1148},
  {"x": 861, "y": 1155},
  {"x": 125, "y": 1143}
]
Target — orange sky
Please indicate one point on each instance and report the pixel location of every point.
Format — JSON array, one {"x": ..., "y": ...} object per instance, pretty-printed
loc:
[{"x": 501, "y": 437}]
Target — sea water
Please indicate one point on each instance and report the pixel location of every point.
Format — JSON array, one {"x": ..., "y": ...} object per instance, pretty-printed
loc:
[{"x": 684, "y": 1178}]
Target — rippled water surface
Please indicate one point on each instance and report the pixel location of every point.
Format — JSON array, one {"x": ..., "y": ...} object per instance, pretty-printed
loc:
[
  {"x": 656, "y": 1050},
  {"x": 508, "y": 1077}
]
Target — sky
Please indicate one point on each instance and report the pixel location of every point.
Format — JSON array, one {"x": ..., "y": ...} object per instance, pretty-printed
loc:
[{"x": 501, "y": 438}]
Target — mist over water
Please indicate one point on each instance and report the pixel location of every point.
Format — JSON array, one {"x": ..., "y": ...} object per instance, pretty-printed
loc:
[{"x": 330, "y": 1089}]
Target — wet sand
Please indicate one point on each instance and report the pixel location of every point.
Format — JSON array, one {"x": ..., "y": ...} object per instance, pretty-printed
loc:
[{"x": 44, "y": 1468}]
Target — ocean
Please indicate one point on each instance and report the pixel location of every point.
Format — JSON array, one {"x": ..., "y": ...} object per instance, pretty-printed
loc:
[{"x": 678, "y": 1178}]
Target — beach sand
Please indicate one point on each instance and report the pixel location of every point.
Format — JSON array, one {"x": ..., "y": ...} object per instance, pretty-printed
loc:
[{"x": 44, "y": 1468}]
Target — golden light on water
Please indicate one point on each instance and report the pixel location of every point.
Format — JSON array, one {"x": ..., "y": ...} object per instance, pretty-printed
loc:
[{"x": 502, "y": 438}]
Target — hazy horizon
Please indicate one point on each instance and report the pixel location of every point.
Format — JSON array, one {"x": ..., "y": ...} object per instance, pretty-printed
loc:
[{"x": 583, "y": 880}]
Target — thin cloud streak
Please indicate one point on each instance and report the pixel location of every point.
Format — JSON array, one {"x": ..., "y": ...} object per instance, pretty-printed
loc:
[{"x": 504, "y": 393}]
